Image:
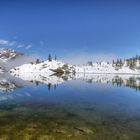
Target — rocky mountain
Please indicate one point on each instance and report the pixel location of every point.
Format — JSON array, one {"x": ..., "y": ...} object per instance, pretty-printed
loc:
[
  {"x": 8, "y": 54},
  {"x": 10, "y": 58},
  {"x": 18, "y": 63}
]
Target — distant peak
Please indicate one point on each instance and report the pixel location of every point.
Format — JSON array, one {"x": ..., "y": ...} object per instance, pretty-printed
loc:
[{"x": 8, "y": 54}]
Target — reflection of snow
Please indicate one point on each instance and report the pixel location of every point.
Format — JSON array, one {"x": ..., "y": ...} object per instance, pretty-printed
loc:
[
  {"x": 1, "y": 71},
  {"x": 6, "y": 86},
  {"x": 132, "y": 81},
  {"x": 10, "y": 83},
  {"x": 44, "y": 78}
]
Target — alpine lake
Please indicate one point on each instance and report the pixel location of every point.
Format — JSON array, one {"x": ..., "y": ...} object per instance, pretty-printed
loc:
[{"x": 70, "y": 107}]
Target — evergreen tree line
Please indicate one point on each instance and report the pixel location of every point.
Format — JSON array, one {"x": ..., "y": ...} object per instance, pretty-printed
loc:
[
  {"x": 50, "y": 57},
  {"x": 131, "y": 62}
]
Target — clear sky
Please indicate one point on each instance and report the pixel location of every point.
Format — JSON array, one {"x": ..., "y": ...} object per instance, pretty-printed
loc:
[{"x": 75, "y": 30}]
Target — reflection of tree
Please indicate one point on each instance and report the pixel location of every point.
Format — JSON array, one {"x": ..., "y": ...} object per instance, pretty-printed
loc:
[
  {"x": 89, "y": 81},
  {"x": 131, "y": 82},
  {"x": 54, "y": 87},
  {"x": 49, "y": 86},
  {"x": 119, "y": 81},
  {"x": 53, "y": 80},
  {"x": 37, "y": 83},
  {"x": 8, "y": 86}
]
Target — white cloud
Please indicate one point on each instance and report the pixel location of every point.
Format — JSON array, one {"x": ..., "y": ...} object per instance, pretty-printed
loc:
[
  {"x": 28, "y": 46},
  {"x": 82, "y": 58},
  {"x": 24, "y": 46},
  {"x": 3, "y": 42},
  {"x": 12, "y": 43},
  {"x": 6, "y": 42},
  {"x": 20, "y": 46}
]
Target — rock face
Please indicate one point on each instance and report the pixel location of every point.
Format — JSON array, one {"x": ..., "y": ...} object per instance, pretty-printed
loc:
[{"x": 65, "y": 69}]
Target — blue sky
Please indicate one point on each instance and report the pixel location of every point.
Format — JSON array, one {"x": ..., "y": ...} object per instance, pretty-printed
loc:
[{"x": 75, "y": 30}]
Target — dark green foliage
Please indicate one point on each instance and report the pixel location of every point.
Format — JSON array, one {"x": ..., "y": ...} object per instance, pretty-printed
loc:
[
  {"x": 49, "y": 57},
  {"x": 118, "y": 64},
  {"x": 131, "y": 62},
  {"x": 90, "y": 63},
  {"x": 37, "y": 61},
  {"x": 55, "y": 58}
]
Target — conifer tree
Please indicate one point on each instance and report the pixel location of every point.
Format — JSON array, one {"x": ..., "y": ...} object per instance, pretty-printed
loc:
[
  {"x": 55, "y": 57},
  {"x": 50, "y": 57}
]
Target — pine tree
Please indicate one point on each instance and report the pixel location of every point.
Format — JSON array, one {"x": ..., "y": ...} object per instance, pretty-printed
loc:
[
  {"x": 117, "y": 64},
  {"x": 137, "y": 57},
  {"x": 55, "y": 57},
  {"x": 120, "y": 63},
  {"x": 113, "y": 63},
  {"x": 37, "y": 61},
  {"x": 50, "y": 57}
]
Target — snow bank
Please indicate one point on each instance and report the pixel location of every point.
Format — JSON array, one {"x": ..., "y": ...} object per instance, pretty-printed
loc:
[
  {"x": 45, "y": 66},
  {"x": 105, "y": 68}
]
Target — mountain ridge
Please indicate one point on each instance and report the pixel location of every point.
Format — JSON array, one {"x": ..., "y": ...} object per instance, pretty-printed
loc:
[{"x": 15, "y": 63}]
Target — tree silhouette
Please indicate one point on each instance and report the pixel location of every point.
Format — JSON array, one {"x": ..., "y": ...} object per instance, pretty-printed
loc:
[
  {"x": 49, "y": 57},
  {"x": 55, "y": 57}
]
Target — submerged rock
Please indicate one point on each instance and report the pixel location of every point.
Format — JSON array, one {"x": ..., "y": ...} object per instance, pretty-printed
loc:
[{"x": 84, "y": 130}]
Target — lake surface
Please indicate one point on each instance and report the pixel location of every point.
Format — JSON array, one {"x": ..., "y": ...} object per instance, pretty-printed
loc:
[{"x": 69, "y": 107}]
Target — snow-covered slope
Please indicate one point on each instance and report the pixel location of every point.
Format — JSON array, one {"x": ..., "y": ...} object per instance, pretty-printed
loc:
[
  {"x": 60, "y": 67},
  {"x": 104, "y": 67},
  {"x": 17, "y": 63},
  {"x": 42, "y": 67}
]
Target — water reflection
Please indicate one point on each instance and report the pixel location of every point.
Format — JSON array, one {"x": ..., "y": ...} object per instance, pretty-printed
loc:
[
  {"x": 9, "y": 83},
  {"x": 77, "y": 110},
  {"x": 131, "y": 81}
]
